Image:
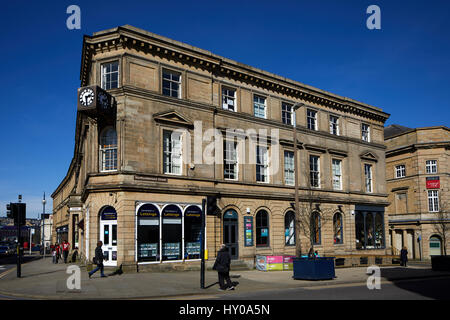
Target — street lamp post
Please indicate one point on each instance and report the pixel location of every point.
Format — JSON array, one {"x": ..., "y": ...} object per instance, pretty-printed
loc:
[
  {"x": 294, "y": 119},
  {"x": 43, "y": 224}
]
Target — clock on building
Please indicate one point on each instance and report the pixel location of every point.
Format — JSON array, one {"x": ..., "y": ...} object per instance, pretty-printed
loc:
[
  {"x": 93, "y": 101},
  {"x": 86, "y": 97}
]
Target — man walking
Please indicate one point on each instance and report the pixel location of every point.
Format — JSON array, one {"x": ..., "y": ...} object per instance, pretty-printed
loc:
[
  {"x": 222, "y": 266},
  {"x": 98, "y": 260},
  {"x": 66, "y": 246}
]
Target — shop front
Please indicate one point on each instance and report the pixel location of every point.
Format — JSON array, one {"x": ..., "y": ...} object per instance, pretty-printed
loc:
[
  {"x": 62, "y": 234},
  {"x": 167, "y": 232}
]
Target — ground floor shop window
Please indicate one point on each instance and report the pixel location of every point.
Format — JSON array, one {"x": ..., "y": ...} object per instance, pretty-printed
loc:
[
  {"x": 289, "y": 228},
  {"x": 369, "y": 227},
  {"x": 168, "y": 233},
  {"x": 262, "y": 228},
  {"x": 338, "y": 229},
  {"x": 315, "y": 228},
  {"x": 192, "y": 232},
  {"x": 171, "y": 232},
  {"x": 148, "y": 233}
]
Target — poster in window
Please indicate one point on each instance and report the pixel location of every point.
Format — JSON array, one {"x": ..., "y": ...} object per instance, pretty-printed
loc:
[
  {"x": 147, "y": 250},
  {"x": 171, "y": 251},
  {"x": 248, "y": 225}
]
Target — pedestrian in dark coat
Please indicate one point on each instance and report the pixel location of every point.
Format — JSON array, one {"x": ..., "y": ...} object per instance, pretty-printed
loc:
[
  {"x": 98, "y": 260},
  {"x": 222, "y": 266},
  {"x": 403, "y": 256}
]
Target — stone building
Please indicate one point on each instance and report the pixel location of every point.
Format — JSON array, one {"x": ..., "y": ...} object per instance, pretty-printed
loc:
[
  {"x": 139, "y": 174},
  {"x": 417, "y": 179}
]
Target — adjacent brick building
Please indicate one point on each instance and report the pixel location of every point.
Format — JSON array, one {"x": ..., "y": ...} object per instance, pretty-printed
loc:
[
  {"x": 129, "y": 182},
  {"x": 417, "y": 177}
]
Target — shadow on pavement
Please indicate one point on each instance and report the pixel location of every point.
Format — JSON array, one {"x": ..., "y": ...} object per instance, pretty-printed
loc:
[{"x": 434, "y": 286}]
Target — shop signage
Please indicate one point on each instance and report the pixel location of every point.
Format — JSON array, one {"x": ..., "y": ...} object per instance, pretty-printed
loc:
[
  {"x": 109, "y": 213},
  {"x": 193, "y": 212},
  {"x": 230, "y": 214},
  {"x": 248, "y": 231},
  {"x": 433, "y": 183},
  {"x": 62, "y": 229},
  {"x": 269, "y": 263},
  {"x": 171, "y": 211},
  {"x": 148, "y": 210}
]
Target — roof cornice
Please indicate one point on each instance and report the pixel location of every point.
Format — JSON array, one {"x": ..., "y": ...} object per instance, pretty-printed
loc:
[{"x": 147, "y": 42}]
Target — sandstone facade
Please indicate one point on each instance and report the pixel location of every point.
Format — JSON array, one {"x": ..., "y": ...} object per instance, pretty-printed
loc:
[
  {"x": 414, "y": 222},
  {"x": 146, "y": 109}
]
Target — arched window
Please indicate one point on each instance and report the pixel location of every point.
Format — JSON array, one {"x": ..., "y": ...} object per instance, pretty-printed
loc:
[
  {"x": 315, "y": 228},
  {"x": 148, "y": 221},
  {"x": 435, "y": 245},
  {"x": 289, "y": 228},
  {"x": 108, "y": 149},
  {"x": 262, "y": 228},
  {"x": 192, "y": 232},
  {"x": 337, "y": 228}
]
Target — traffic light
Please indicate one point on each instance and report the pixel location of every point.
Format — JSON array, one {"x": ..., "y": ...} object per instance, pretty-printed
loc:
[
  {"x": 16, "y": 211},
  {"x": 211, "y": 206},
  {"x": 9, "y": 212}
]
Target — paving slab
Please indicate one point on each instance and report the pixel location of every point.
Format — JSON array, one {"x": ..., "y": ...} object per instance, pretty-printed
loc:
[{"x": 41, "y": 279}]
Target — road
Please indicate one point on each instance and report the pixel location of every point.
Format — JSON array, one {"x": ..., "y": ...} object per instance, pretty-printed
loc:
[{"x": 413, "y": 289}]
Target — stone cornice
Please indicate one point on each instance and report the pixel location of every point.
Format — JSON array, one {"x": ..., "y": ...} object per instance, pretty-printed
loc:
[
  {"x": 158, "y": 183},
  {"x": 413, "y": 147},
  {"x": 141, "y": 40}
]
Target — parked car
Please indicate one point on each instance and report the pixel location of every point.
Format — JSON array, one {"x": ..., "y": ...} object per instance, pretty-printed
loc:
[{"x": 6, "y": 251}]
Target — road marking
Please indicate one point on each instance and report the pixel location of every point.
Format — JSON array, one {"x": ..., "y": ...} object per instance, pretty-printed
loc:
[{"x": 6, "y": 272}]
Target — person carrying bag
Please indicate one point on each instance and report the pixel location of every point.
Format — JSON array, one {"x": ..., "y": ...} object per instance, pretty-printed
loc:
[{"x": 222, "y": 266}]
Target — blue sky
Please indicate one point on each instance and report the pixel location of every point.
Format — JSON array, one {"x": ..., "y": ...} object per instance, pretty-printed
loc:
[{"x": 403, "y": 68}]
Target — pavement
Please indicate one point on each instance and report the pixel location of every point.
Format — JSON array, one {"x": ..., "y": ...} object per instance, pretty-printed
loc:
[{"x": 41, "y": 279}]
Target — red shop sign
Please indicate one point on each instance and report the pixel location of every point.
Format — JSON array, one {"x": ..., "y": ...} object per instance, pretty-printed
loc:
[{"x": 433, "y": 183}]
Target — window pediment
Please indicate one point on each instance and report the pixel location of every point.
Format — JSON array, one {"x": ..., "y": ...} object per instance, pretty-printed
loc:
[
  {"x": 369, "y": 156},
  {"x": 174, "y": 118}
]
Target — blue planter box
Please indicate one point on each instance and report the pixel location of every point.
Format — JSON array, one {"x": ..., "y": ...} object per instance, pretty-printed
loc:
[{"x": 314, "y": 269}]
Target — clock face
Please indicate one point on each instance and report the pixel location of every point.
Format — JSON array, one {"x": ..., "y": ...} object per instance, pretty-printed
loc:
[
  {"x": 87, "y": 97},
  {"x": 103, "y": 100}
]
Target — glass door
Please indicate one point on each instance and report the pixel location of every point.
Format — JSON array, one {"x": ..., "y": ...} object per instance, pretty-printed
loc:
[{"x": 108, "y": 235}]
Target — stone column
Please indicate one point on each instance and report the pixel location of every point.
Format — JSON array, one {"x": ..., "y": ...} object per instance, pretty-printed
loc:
[{"x": 405, "y": 240}]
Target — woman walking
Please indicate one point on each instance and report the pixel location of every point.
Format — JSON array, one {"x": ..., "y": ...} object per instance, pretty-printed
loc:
[{"x": 403, "y": 256}]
